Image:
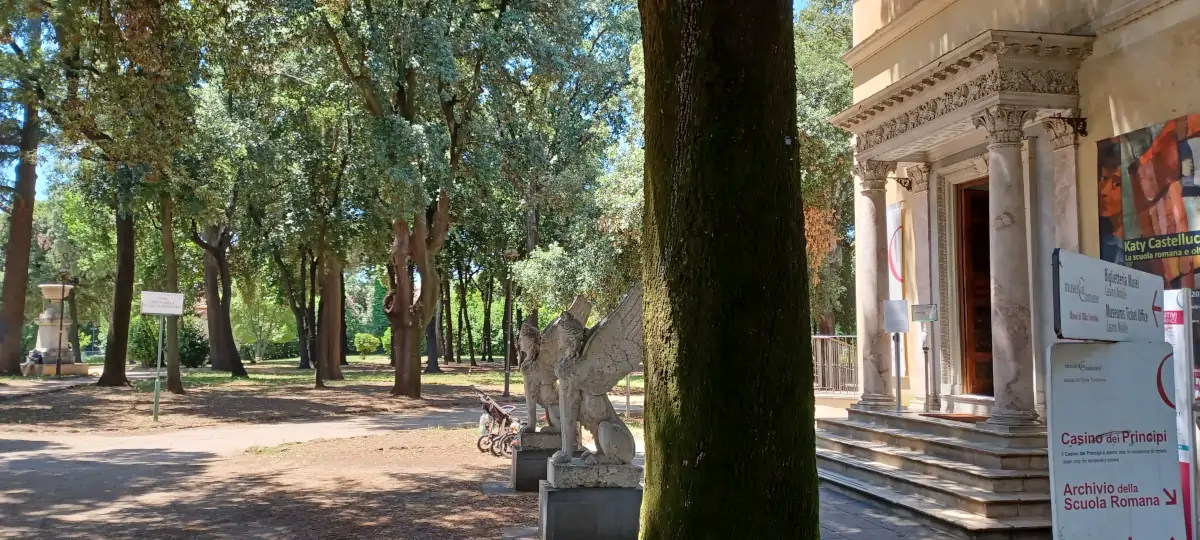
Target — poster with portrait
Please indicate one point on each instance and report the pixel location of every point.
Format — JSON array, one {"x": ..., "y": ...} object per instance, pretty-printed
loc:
[{"x": 1149, "y": 202}]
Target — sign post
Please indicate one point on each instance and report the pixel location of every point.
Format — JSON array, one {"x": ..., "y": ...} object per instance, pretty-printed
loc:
[
  {"x": 895, "y": 322},
  {"x": 926, "y": 314},
  {"x": 163, "y": 304}
]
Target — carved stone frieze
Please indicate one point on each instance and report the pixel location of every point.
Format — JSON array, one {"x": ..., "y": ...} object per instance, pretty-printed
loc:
[
  {"x": 995, "y": 66},
  {"x": 919, "y": 176},
  {"x": 1005, "y": 125},
  {"x": 1062, "y": 133}
]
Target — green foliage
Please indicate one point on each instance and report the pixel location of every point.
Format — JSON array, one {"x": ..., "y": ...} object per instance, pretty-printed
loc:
[
  {"x": 143, "y": 341},
  {"x": 193, "y": 344},
  {"x": 366, "y": 344}
]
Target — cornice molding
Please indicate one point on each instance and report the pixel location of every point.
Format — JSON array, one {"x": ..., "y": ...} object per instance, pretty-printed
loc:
[
  {"x": 996, "y": 64},
  {"x": 894, "y": 30}
]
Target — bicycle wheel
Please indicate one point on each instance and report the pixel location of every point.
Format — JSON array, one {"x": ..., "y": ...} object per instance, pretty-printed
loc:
[
  {"x": 484, "y": 443},
  {"x": 498, "y": 446}
]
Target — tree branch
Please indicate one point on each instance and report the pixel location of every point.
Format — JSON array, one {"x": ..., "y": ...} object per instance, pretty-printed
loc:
[{"x": 196, "y": 239}]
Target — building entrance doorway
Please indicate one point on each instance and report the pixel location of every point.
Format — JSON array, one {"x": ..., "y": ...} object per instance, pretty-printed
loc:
[{"x": 974, "y": 279}]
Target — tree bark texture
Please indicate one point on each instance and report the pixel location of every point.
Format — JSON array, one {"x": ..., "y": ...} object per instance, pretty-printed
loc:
[
  {"x": 166, "y": 208},
  {"x": 329, "y": 331},
  {"x": 720, "y": 186},
  {"x": 509, "y": 346},
  {"x": 295, "y": 292},
  {"x": 218, "y": 293},
  {"x": 73, "y": 300},
  {"x": 118, "y": 330},
  {"x": 433, "y": 343},
  {"x": 420, "y": 244},
  {"x": 20, "y": 240}
]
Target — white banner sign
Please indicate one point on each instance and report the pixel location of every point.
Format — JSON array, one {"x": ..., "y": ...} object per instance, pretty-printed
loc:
[
  {"x": 895, "y": 253},
  {"x": 1114, "y": 468},
  {"x": 1102, "y": 301},
  {"x": 162, "y": 303},
  {"x": 1178, "y": 319}
]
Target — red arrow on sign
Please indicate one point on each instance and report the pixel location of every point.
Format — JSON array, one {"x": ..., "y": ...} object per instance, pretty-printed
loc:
[
  {"x": 1170, "y": 497},
  {"x": 1155, "y": 309}
]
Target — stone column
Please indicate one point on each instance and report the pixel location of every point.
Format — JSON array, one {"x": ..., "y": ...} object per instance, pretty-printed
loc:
[
  {"x": 1012, "y": 322},
  {"x": 923, "y": 375},
  {"x": 874, "y": 350},
  {"x": 1066, "y": 202}
]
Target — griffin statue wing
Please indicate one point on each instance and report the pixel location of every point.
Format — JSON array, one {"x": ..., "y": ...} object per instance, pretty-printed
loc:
[{"x": 614, "y": 345}]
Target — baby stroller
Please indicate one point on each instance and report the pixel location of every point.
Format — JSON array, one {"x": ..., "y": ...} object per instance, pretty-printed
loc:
[{"x": 497, "y": 427}]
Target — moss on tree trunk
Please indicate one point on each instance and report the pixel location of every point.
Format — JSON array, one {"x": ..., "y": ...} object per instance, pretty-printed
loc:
[{"x": 729, "y": 410}]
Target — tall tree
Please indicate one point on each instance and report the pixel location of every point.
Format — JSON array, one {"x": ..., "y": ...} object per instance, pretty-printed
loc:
[
  {"x": 22, "y": 32},
  {"x": 724, "y": 229},
  {"x": 823, "y": 84}
]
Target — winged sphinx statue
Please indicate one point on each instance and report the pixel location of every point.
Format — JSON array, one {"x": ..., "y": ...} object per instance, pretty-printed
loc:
[
  {"x": 590, "y": 362},
  {"x": 537, "y": 354}
]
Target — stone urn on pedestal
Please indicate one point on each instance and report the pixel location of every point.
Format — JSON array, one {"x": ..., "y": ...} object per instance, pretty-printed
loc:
[{"x": 54, "y": 334}]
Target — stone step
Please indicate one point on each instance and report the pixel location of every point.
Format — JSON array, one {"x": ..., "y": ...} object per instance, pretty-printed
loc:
[
  {"x": 945, "y": 492},
  {"x": 981, "y": 454},
  {"x": 949, "y": 428},
  {"x": 953, "y": 521},
  {"x": 995, "y": 480}
]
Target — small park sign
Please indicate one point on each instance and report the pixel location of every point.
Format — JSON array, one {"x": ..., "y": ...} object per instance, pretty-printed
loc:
[
  {"x": 162, "y": 303},
  {"x": 1101, "y": 301}
]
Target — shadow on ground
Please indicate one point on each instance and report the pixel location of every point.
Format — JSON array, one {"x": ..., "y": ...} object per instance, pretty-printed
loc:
[{"x": 148, "y": 493}]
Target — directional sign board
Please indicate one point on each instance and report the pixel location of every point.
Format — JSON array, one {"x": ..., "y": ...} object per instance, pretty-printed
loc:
[
  {"x": 924, "y": 313},
  {"x": 162, "y": 303},
  {"x": 1114, "y": 468},
  {"x": 1102, "y": 301}
]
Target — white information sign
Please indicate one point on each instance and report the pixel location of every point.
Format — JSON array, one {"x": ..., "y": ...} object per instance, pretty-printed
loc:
[
  {"x": 924, "y": 313},
  {"x": 1102, "y": 301},
  {"x": 895, "y": 316},
  {"x": 1114, "y": 469},
  {"x": 162, "y": 303}
]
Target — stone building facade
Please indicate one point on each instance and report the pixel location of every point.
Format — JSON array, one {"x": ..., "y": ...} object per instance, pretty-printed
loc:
[
  {"x": 979, "y": 130},
  {"x": 979, "y": 120}
]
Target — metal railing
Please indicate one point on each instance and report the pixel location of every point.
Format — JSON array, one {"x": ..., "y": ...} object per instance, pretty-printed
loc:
[{"x": 835, "y": 364}]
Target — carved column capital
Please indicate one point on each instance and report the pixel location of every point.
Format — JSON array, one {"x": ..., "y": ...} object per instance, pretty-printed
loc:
[
  {"x": 1062, "y": 132},
  {"x": 872, "y": 175},
  {"x": 919, "y": 176},
  {"x": 1005, "y": 125}
]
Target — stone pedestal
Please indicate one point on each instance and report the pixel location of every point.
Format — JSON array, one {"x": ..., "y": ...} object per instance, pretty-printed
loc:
[
  {"x": 530, "y": 457},
  {"x": 54, "y": 333},
  {"x": 590, "y": 502}
]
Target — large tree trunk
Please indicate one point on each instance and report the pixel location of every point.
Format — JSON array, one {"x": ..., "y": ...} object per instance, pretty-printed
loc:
[
  {"x": 20, "y": 240},
  {"x": 329, "y": 333},
  {"x": 391, "y": 346},
  {"x": 295, "y": 293},
  {"x": 174, "y": 379},
  {"x": 422, "y": 245},
  {"x": 531, "y": 231},
  {"x": 118, "y": 331},
  {"x": 218, "y": 293},
  {"x": 720, "y": 149},
  {"x": 310, "y": 313}
]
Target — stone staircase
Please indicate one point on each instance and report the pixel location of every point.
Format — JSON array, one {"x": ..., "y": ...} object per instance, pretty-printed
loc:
[{"x": 966, "y": 481}]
